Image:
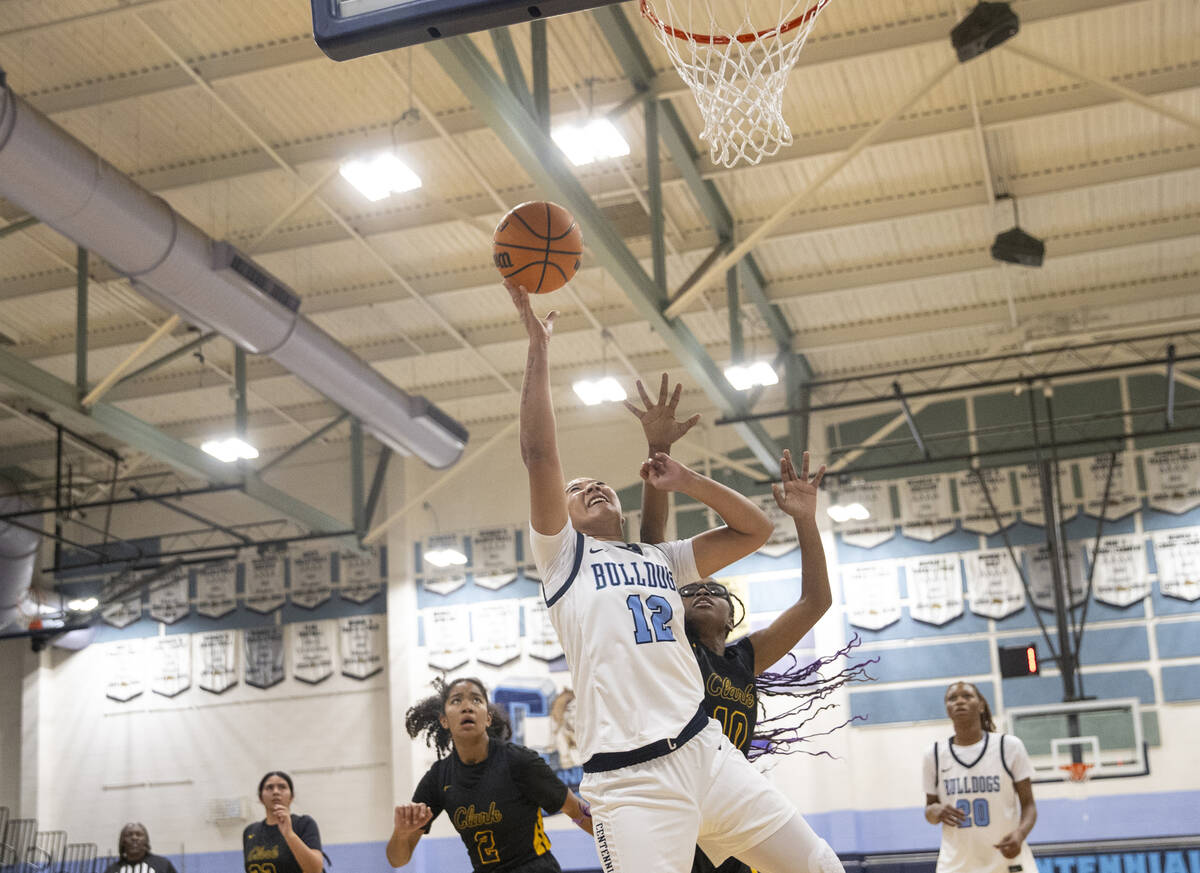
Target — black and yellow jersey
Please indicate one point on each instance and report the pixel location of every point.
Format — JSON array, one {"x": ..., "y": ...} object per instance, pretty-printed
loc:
[
  {"x": 264, "y": 850},
  {"x": 729, "y": 692},
  {"x": 496, "y": 806}
]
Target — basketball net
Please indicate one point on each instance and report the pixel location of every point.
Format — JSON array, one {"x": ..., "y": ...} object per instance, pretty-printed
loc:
[
  {"x": 735, "y": 71},
  {"x": 1077, "y": 771}
]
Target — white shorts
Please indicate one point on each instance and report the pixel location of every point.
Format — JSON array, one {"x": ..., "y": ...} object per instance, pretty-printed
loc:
[{"x": 651, "y": 816}]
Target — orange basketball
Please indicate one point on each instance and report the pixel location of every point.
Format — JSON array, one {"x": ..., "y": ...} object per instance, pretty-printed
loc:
[{"x": 538, "y": 245}]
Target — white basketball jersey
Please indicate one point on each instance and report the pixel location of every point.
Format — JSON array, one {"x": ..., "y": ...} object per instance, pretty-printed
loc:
[
  {"x": 980, "y": 781},
  {"x": 619, "y": 617}
]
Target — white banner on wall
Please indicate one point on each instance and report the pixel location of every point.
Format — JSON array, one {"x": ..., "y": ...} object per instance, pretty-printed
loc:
[
  {"x": 876, "y": 498},
  {"x": 312, "y": 650},
  {"x": 1041, "y": 579},
  {"x": 871, "y": 592},
  {"x": 1030, "y": 490},
  {"x": 973, "y": 504},
  {"x": 925, "y": 508},
  {"x": 993, "y": 584},
  {"x": 1177, "y": 556},
  {"x": 264, "y": 576},
  {"x": 126, "y": 670},
  {"x": 935, "y": 588},
  {"x": 443, "y": 580},
  {"x": 169, "y": 597},
  {"x": 447, "y": 637},
  {"x": 783, "y": 537},
  {"x": 362, "y": 645},
  {"x": 541, "y": 640},
  {"x": 496, "y": 631},
  {"x": 1122, "y": 490},
  {"x": 361, "y": 573},
  {"x": 1173, "y": 478},
  {"x": 1121, "y": 576},
  {"x": 216, "y": 589},
  {"x": 215, "y": 656},
  {"x": 311, "y": 578},
  {"x": 494, "y": 557},
  {"x": 263, "y": 647},
  {"x": 124, "y": 612},
  {"x": 170, "y": 664}
]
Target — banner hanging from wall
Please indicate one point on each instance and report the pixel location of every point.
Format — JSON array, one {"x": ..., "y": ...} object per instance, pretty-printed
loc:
[
  {"x": 871, "y": 592},
  {"x": 311, "y": 578},
  {"x": 1041, "y": 578},
  {"x": 312, "y": 650},
  {"x": 541, "y": 640},
  {"x": 876, "y": 499},
  {"x": 442, "y": 580},
  {"x": 496, "y": 632},
  {"x": 264, "y": 581},
  {"x": 362, "y": 645},
  {"x": 1029, "y": 488},
  {"x": 783, "y": 537},
  {"x": 935, "y": 588},
  {"x": 973, "y": 506},
  {"x": 216, "y": 589},
  {"x": 926, "y": 513},
  {"x": 264, "y": 656},
  {"x": 494, "y": 557},
  {"x": 215, "y": 655},
  {"x": 361, "y": 573},
  {"x": 168, "y": 597},
  {"x": 124, "y": 612},
  {"x": 1173, "y": 478},
  {"x": 993, "y": 584},
  {"x": 1121, "y": 576},
  {"x": 1177, "y": 557},
  {"x": 170, "y": 664},
  {"x": 1123, "y": 498},
  {"x": 447, "y": 637},
  {"x": 126, "y": 670}
]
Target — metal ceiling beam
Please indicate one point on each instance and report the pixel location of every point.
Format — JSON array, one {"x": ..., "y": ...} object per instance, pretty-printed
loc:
[
  {"x": 62, "y": 399},
  {"x": 544, "y": 162}
]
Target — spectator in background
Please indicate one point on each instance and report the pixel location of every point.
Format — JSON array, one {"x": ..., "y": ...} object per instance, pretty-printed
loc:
[{"x": 133, "y": 853}]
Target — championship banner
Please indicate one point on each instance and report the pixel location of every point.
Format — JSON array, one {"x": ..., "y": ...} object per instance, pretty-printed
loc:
[
  {"x": 312, "y": 650},
  {"x": 1122, "y": 490},
  {"x": 361, "y": 573},
  {"x": 124, "y": 612},
  {"x": 1121, "y": 576},
  {"x": 447, "y": 637},
  {"x": 215, "y": 654},
  {"x": 1177, "y": 555},
  {"x": 311, "y": 578},
  {"x": 216, "y": 589},
  {"x": 264, "y": 583},
  {"x": 170, "y": 664},
  {"x": 126, "y": 670},
  {"x": 973, "y": 504},
  {"x": 1030, "y": 490},
  {"x": 783, "y": 537},
  {"x": 169, "y": 597},
  {"x": 876, "y": 498},
  {"x": 264, "y": 656},
  {"x": 541, "y": 640},
  {"x": 442, "y": 580},
  {"x": 871, "y": 592},
  {"x": 1173, "y": 478},
  {"x": 993, "y": 584},
  {"x": 494, "y": 557},
  {"x": 925, "y": 508},
  {"x": 362, "y": 646},
  {"x": 935, "y": 584},
  {"x": 496, "y": 629},
  {"x": 1041, "y": 578}
]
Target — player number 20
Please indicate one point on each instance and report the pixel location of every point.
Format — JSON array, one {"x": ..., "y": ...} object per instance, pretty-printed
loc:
[
  {"x": 660, "y": 618},
  {"x": 982, "y": 815}
]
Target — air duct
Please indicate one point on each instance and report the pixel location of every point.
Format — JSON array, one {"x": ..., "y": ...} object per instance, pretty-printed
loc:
[
  {"x": 18, "y": 551},
  {"x": 67, "y": 186}
]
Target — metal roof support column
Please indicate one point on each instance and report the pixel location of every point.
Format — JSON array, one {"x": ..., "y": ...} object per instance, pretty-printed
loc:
[
  {"x": 357, "y": 499},
  {"x": 546, "y": 165},
  {"x": 241, "y": 413},
  {"x": 1170, "y": 386},
  {"x": 376, "y": 485},
  {"x": 81, "y": 320},
  {"x": 539, "y": 53},
  {"x": 798, "y": 397},
  {"x": 737, "y": 349},
  {"x": 511, "y": 65},
  {"x": 658, "y": 232}
]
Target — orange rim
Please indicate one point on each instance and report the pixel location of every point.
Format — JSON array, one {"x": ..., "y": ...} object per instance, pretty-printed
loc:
[
  {"x": 1076, "y": 771},
  {"x": 709, "y": 39}
]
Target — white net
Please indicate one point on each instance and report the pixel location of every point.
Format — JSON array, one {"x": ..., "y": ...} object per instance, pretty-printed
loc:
[{"x": 736, "y": 64}]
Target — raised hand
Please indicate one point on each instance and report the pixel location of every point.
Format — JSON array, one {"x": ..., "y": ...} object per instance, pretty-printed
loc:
[
  {"x": 665, "y": 473},
  {"x": 283, "y": 819},
  {"x": 411, "y": 817},
  {"x": 658, "y": 419},
  {"x": 797, "y": 495},
  {"x": 538, "y": 329}
]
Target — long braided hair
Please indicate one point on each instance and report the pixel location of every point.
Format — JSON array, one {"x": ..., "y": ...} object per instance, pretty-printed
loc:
[{"x": 425, "y": 716}]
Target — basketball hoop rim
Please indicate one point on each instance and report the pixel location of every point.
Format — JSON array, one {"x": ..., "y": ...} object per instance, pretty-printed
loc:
[
  {"x": 708, "y": 39},
  {"x": 1076, "y": 772}
]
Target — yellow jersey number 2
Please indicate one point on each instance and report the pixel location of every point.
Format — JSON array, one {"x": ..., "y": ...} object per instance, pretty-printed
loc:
[{"x": 485, "y": 845}]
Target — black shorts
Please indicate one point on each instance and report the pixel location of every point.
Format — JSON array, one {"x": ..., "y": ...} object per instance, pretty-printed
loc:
[{"x": 732, "y": 865}]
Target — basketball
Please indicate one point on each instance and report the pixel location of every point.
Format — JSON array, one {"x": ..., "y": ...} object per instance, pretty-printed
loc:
[{"x": 538, "y": 245}]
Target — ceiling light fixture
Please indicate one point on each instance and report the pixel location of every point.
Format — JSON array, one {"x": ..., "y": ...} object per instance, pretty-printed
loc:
[
  {"x": 230, "y": 449},
  {"x": 445, "y": 557},
  {"x": 849, "y": 512},
  {"x": 595, "y": 140},
  {"x": 379, "y": 176},
  {"x": 743, "y": 377},
  {"x": 86, "y": 604},
  {"x": 593, "y": 392}
]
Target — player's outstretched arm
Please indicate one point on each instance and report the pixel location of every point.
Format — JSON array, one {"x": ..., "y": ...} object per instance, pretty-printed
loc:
[
  {"x": 797, "y": 496},
  {"x": 746, "y": 526},
  {"x": 408, "y": 825},
  {"x": 661, "y": 430},
  {"x": 539, "y": 441},
  {"x": 578, "y": 810}
]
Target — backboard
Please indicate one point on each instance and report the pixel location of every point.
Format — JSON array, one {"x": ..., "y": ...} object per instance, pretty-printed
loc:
[{"x": 1104, "y": 735}]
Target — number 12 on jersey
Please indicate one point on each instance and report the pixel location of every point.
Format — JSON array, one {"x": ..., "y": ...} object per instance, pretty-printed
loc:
[{"x": 660, "y": 618}]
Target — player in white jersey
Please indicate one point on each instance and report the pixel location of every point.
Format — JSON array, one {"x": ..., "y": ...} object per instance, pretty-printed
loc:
[
  {"x": 978, "y": 786},
  {"x": 659, "y": 774}
]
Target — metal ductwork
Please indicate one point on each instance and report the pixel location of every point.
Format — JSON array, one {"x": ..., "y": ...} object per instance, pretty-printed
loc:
[
  {"x": 66, "y": 185},
  {"x": 18, "y": 552}
]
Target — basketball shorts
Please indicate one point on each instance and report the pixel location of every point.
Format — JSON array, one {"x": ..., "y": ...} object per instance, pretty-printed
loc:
[{"x": 651, "y": 816}]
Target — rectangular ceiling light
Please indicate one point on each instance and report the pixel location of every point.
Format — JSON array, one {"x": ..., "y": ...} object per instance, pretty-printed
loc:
[
  {"x": 596, "y": 391},
  {"x": 745, "y": 377},
  {"x": 596, "y": 140},
  {"x": 379, "y": 176},
  {"x": 230, "y": 449}
]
